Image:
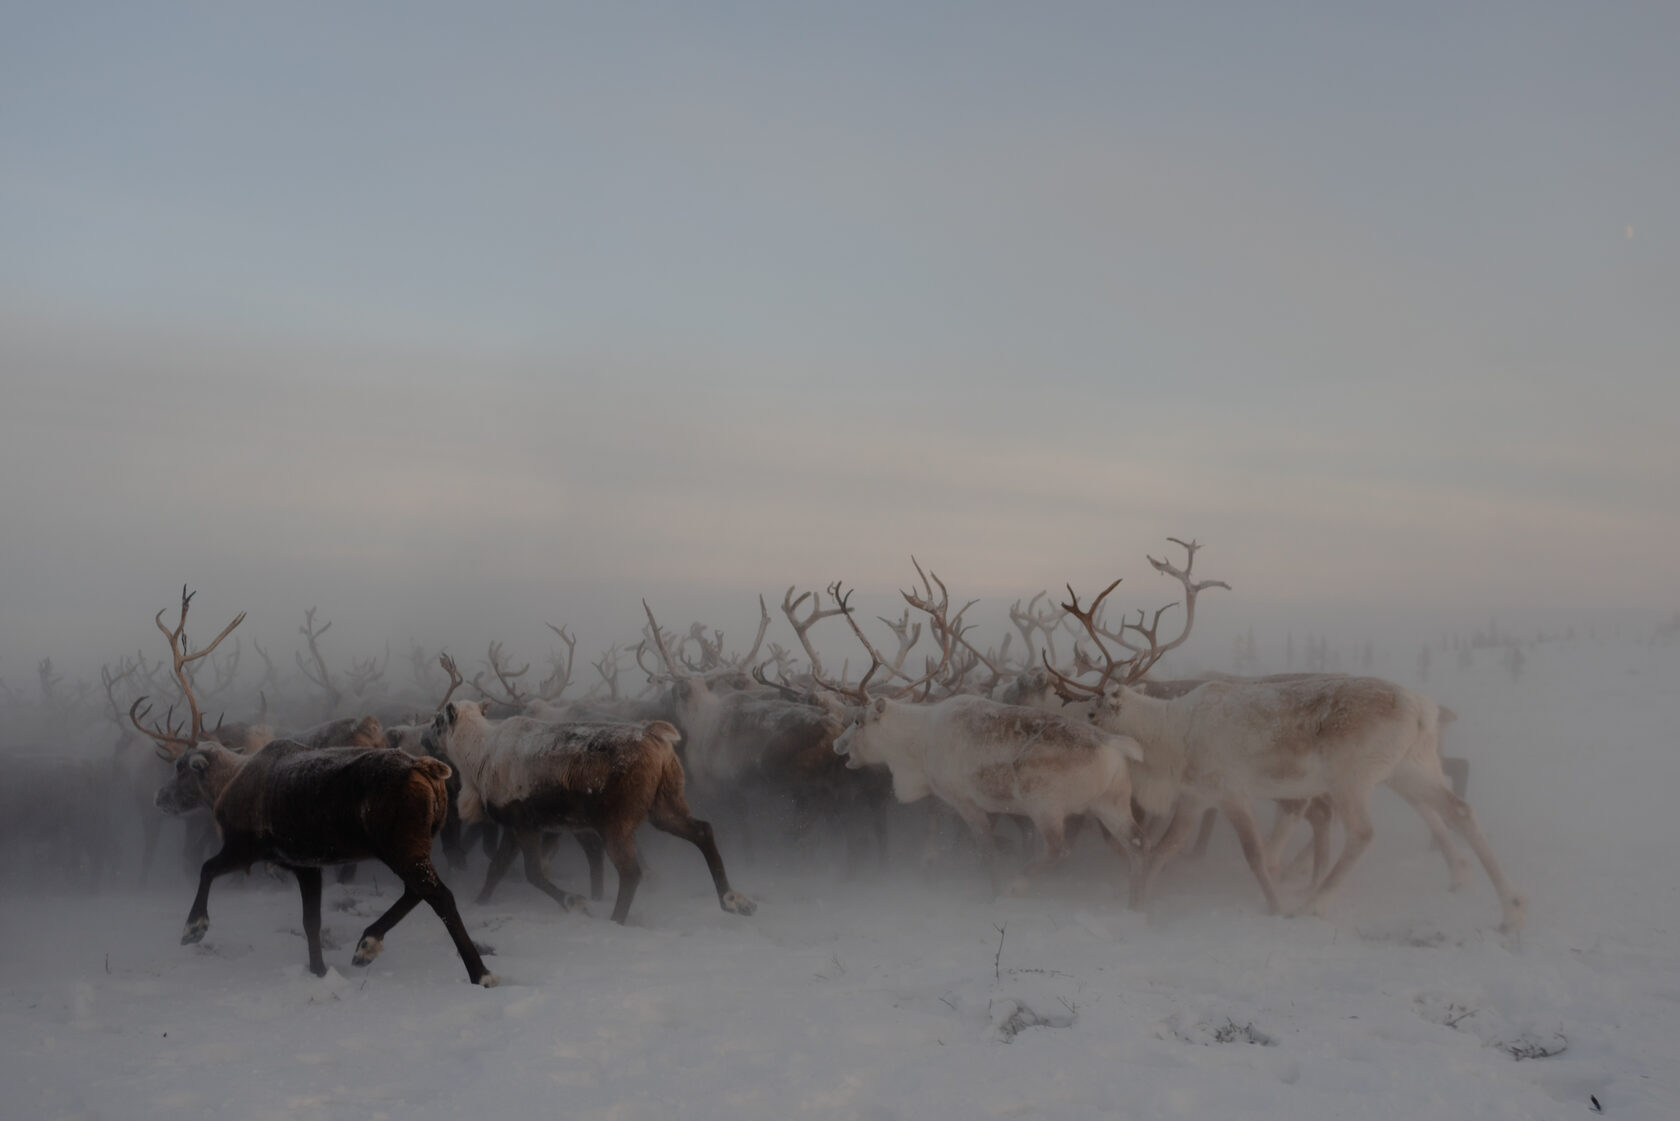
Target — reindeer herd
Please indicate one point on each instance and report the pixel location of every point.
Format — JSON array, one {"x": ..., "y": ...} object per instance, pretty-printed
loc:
[{"x": 1089, "y": 741}]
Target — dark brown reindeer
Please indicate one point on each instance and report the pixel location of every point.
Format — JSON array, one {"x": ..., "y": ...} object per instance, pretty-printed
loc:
[
  {"x": 304, "y": 809},
  {"x": 532, "y": 777}
]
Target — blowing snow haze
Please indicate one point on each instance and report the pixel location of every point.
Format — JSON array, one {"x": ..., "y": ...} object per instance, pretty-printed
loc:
[
  {"x": 424, "y": 328},
  {"x": 445, "y": 323}
]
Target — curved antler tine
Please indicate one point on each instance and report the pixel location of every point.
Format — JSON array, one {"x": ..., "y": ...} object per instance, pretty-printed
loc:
[
  {"x": 1066, "y": 687},
  {"x": 659, "y": 642},
  {"x": 1145, "y": 660},
  {"x": 167, "y": 740},
  {"x": 641, "y": 648}
]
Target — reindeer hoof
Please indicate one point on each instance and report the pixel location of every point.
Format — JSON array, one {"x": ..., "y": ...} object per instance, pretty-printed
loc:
[
  {"x": 318, "y": 970},
  {"x": 1516, "y": 910},
  {"x": 194, "y": 931},
  {"x": 737, "y": 904},
  {"x": 366, "y": 950},
  {"x": 489, "y": 980},
  {"x": 570, "y": 903}
]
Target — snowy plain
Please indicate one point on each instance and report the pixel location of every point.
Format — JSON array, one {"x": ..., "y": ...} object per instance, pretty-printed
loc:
[{"x": 894, "y": 994}]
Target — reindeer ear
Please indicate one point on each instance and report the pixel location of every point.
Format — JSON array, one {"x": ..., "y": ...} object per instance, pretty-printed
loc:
[
  {"x": 450, "y": 714},
  {"x": 880, "y": 705},
  {"x": 199, "y": 763}
]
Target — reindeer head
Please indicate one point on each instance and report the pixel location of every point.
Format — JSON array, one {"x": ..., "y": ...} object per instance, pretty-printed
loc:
[
  {"x": 1106, "y": 704},
  {"x": 437, "y": 734},
  {"x": 189, "y": 788},
  {"x": 856, "y": 743},
  {"x": 367, "y": 733}
]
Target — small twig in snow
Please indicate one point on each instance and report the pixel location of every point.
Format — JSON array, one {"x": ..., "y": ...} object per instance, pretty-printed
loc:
[{"x": 997, "y": 968}]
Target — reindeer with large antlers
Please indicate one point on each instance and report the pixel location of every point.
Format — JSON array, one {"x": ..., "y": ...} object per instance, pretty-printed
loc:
[
  {"x": 304, "y": 809},
  {"x": 1228, "y": 743},
  {"x": 983, "y": 758},
  {"x": 746, "y": 748}
]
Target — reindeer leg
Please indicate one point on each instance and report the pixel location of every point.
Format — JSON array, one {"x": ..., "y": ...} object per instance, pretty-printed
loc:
[
  {"x": 1318, "y": 816},
  {"x": 1183, "y": 819},
  {"x": 675, "y": 820},
  {"x": 420, "y": 883},
  {"x": 1457, "y": 770},
  {"x": 1289, "y": 811},
  {"x": 309, "y": 886},
  {"x": 548, "y": 842},
  {"x": 1458, "y": 868},
  {"x": 590, "y": 842},
  {"x": 1254, "y": 851},
  {"x": 450, "y": 839},
  {"x": 198, "y": 919},
  {"x": 1210, "y": 818},
  {"x": 1418, "y": 787},
  {"x": 1352, "y": 808},
  {"x": 499, "y": 864},
  {"x": 531, "y": 844},
  {"x": 1123, "y": 834},
  {"x": 1054, "y": 831},
  {"x": 373, "y": 938},
  {"x": 621, "y": 850}
]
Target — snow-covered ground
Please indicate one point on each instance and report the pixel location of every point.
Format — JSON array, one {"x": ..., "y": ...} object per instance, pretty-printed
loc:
[{"x": 890, "y": 995}]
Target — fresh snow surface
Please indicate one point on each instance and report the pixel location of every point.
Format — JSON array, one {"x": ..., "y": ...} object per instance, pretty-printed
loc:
[{"x": 890, "y": 994}]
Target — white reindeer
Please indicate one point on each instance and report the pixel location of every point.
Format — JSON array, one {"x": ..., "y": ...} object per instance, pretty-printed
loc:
[
  {"x": 982, "y": 757},
  {"x": 1228, "y": 743}
]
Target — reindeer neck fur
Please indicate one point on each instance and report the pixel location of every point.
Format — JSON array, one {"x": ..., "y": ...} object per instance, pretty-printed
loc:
[
  {"x": 702, "y": 710},
  {"x": 225, "y": 766},
  {"x": 906, "y": 749},
  {"x": 469, "y": 750},
  {"x": 1161, "y": 726}
]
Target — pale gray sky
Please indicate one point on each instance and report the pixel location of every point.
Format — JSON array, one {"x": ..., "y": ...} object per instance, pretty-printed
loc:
[{"x": 446, "y": 317}]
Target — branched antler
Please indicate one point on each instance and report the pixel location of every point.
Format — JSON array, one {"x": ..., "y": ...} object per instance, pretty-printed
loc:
[
  {"x": 711, "y": 650},
  {"x": 50, "y": 681},
  {"x": 364, "y": 674},
  {"x": 758, "y": 640},
  {"x": 658, "y": 637},
  {"x": 560, "y": 678},
  {"x": 907, "y": 633},
  {"x": 271, "y": 676},
  {"x": 1147, "y": 659},
  {"x": 790, "y": 608},
  {"x": 455, "y": 678},
  {"x": 1029, "y": 619},
  {"x": 894, "y": 667},
  {"x": 607, "y": 666},
  {"x": 504, "y": 674},
  {"x": 125, "y": 671},
  {"x": 318, "y": 675},
  {"x": 170, "y": 735},
  {"x": 788, "y": 692},
  {"x": 1130, "y": 670},
  {"x": 224, "y": 669},
  {"x": 641, "y": 648}
]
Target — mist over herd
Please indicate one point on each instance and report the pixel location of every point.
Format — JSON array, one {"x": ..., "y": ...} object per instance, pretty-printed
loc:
[{"x": 860, "y": 562}]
